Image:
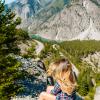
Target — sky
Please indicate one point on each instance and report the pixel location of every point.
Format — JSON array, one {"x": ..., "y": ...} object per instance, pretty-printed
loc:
[{"x": 8, "y": 1}]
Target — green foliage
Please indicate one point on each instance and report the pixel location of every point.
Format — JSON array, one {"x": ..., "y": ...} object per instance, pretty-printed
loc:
[
  {"x": 49, "y": 54},
  {"x": 97, "y": 77},
  {"x": 84, "y": 81},
  {"x": 9, "y": 74},
  {"x": 96, "y": 2},
  {"x": 75, "y": 51},
  {"x": 79, "y": 49},
  {"x": 91, "y": 93},
  {"x": 31, "y": 51},
  {"x": 9, "y": 67},
  {"x": 21, "y": 35}
]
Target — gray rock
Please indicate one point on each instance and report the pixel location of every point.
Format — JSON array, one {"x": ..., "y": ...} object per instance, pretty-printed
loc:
[
  {"x": 66, "y": 25},
  {"x": 93, "y": 60},
  {"x": 97, "y": 94},
  {"x": 35, "y": 82},
  {"x": 51, "y": 19},
  {"x": 79, "y": 21}
]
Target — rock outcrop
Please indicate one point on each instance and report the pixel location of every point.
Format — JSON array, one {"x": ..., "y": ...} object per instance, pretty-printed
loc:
[
  {"x": 97, "y": 94},
  {"x": 94, "y": 61},
  {"x": 35, "y": 80}
]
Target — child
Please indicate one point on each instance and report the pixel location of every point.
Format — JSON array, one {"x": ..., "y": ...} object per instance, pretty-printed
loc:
[{"x": 64, "y": 88}]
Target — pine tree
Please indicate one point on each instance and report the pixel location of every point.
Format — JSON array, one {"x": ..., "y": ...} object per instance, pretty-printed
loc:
[
  {"x": 9, "y": 66},
  {"x": 84, "y": 81}
]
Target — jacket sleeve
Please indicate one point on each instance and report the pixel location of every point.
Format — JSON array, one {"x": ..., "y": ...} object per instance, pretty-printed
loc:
[{"x": 56, "y": 89}]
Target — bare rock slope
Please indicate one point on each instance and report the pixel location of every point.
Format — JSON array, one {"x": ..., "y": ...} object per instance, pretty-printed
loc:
[
  {"x": 77, "y": 21},
  {"x": 60, "y": 19}
]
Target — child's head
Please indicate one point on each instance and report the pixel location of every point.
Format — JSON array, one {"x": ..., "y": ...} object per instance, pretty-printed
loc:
[{"x": 61, "y": 70}]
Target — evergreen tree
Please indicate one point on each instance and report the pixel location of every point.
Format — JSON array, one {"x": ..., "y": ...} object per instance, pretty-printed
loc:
[
  {"x": 9, "y": 66},
  {"x": 84, "y": 81}
]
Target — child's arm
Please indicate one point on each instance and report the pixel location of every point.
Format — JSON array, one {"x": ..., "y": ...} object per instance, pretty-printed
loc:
[{"x": 56, "y": 89}]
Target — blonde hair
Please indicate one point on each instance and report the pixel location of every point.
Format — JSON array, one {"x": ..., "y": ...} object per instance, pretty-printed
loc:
[
  {"x": 62, "y": 72},
  {"x": 52, "y": 68}
]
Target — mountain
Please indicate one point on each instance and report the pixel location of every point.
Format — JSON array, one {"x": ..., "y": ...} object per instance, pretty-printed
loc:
[
  {"x": 28, "y": 9},
  {"x": 60, "y": 19},
  {"x": 80, "y": 20},
  {"x": 25, "y": 9}
]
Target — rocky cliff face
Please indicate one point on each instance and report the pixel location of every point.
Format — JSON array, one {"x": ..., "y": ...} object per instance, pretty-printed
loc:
[
  {"x": 25, "y": 9},
  {"x": 78, "y": 21},
  {"x": 66, "y": 25},
  {"x": 60, "y": 19},
  {"x": 28, "y": 9}
]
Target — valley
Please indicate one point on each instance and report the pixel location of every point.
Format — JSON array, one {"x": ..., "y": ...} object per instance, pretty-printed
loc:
[{"x": 47, "y": 31}]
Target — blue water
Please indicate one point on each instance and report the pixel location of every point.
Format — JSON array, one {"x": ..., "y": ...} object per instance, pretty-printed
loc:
[{"x": 66, "y": 1}]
